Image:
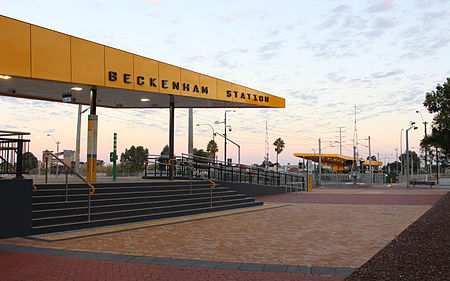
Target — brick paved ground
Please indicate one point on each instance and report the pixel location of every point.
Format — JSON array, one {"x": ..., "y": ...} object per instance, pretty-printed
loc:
[
  {"x": 345, "y": 233},
  {"x": 379, "y": 199},
  {"x": 20, "y": 266}
]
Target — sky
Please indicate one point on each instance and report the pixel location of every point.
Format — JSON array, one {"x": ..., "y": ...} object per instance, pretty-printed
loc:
[{"x": 324, "y": 57}]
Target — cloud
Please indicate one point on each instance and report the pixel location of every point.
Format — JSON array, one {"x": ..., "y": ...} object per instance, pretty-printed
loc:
[
  {"x": 380, "y": 25},
  {"x": 334, "y": 76},
  {"x": 225, "y": 18},
  {"x": 155, "y": 3},
  {"x": 270, "y": 46},
  {"x": 383, "y": 6}
]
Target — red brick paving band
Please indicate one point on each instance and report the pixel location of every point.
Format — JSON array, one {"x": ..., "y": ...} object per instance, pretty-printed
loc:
[
  {"x": 25, "y": 266},
  {"x": 375, "y": 199}
]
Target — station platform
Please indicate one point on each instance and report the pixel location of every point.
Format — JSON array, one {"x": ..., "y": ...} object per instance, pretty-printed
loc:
[{"x": 325, "y": 234}]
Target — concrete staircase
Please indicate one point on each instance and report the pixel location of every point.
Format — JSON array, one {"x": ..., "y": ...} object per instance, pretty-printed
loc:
[{"x": 117, "y": 203}]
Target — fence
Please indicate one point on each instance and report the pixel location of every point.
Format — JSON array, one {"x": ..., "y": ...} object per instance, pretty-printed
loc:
[
  {"x": 12, "y": 151},
  {"x": 157, "y": 166}
]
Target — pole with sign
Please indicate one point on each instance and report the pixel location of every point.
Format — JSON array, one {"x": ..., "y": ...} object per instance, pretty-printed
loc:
[{"x": 113, "y": 157}]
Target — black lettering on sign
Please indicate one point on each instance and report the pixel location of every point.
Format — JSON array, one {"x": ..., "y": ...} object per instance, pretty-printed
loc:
[
  {"x": 140, "y": 80},
  {"x": 242, "y": 96},
  {"x": 152, "y": 82},
  {"x": 196, "y": 89},
  {"x": 176, "y": 85},
  {"x": 185, "y": 87},
  {"x": 228, "y": 93},
  {"x": 249, "y": 96},
  {"x": 164, "y": 84},
  {"x": 236, "y": 93},
  {"x": 266, "y": 99},
  {"x": 204, "y": 90},
  {"x": 255, "y": 97},
  {"x": 261, "y": 98},
  {"x": 112, "y": 76},
  {"x": 126, "y": 78}
]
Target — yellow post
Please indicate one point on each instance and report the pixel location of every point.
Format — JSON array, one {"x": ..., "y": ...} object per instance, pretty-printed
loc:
[
  {"x": 391, "y": 182},
  {"x": 91, "y": 173},
  {"x": 309, "y": 182}
]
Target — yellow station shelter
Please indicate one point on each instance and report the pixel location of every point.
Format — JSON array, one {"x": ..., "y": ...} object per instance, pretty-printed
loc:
[
  {"x": 335, "y": 161},
  {"x": 39, "y": 63}
]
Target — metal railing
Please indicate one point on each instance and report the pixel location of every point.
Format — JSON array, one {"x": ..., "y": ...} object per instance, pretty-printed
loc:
[
  {"x": 68, "y": 170},
  {"x": 192, "y": 170},
  {"x": 12, "y": 153},
  {"x": 157, "y": 166}
]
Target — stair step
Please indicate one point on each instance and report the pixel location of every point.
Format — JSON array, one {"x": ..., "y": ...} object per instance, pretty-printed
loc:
[
  {"x": 76, "y": 217},
  {"x": 130, "y": 219},
  {"x": 126, "y": 205}
]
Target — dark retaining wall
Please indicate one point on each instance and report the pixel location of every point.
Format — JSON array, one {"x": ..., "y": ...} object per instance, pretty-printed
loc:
[
  {"x": 15, "y": 207},
  {"x": 253, "y": 190}
]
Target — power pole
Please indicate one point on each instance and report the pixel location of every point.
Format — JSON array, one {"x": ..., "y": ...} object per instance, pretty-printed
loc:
[
  {"x": 340, "y": 140},
  {"x": 320, "y": 161},
  {"x": 396, "y": 158},
  {"x": 370, "y": 163},
  {"x": 266, "y": 156}
]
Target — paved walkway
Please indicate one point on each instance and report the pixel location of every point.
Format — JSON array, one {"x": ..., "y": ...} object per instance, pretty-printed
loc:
[{"x": 322, "y": 235}]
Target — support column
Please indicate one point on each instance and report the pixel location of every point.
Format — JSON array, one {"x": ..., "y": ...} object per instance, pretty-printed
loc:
[
  {"x": 191, "y": 132},
  {"x": 171, "y": 136},
  {"x": 91, "y": 173}
]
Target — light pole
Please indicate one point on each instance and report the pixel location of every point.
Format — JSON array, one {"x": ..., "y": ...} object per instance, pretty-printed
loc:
[
  {"x": 425, "y": 125},
  {"x": 213, "y": 134},
  {"x": 407, "y": 151},
  {"x": 57, "y": 150},
  {"x": 225, "y": 134},
  {"x": 401, "y": 155},
  {"x": 238, "y": 146}
]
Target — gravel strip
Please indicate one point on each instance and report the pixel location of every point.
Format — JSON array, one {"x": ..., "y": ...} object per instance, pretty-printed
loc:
[{"x": 420, "y": 252}]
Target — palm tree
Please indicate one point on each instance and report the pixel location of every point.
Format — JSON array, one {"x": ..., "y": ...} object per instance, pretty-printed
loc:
[
  {"x": 279, "y": 146},
  {"x": 212, "y": 149}
]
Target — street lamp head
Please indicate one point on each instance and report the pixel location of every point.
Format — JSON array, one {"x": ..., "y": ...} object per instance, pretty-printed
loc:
[
  {"x": 417, "y": 111},
  {"x": 412, "y": 123},
  {"x": 197, "y": 125},
  {"x": 415, "y": 128}
]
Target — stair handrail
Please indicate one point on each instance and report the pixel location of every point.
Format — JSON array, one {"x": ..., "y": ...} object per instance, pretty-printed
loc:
[
  {"x": 188, "y": 165},
  {"x": 68, "y": 168}
]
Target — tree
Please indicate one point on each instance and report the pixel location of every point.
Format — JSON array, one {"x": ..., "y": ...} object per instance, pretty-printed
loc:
[
  {"x": 279, "y": 146},
  {"x": 212, "y": 149},
  {"x": 200, "y": 154},
  {"x": 164, "y": 158},
  {"x": 134, "y": 158},
  {"x": 438, "y": 102},
  {"x": 412, "y": 157},
  {"x": 29, "y": 161}
]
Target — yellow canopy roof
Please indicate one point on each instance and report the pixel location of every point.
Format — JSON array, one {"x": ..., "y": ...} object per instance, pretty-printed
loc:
[{"x": 40, "y": 63}]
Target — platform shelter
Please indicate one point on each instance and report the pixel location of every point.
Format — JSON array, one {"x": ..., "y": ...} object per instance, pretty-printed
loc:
[
  {"x": 39, "y": 63},
  {"x": 337, "y": 162}
]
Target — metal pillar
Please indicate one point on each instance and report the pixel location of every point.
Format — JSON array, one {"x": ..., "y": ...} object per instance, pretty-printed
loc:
[
  {"x": 191, "y": 132},
  {"x": 77, "y": 143},
  {"x": 171, "y": 135}
]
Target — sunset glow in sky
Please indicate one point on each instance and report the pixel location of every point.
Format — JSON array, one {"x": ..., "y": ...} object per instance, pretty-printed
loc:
[{"x": 324, "y": 57}]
